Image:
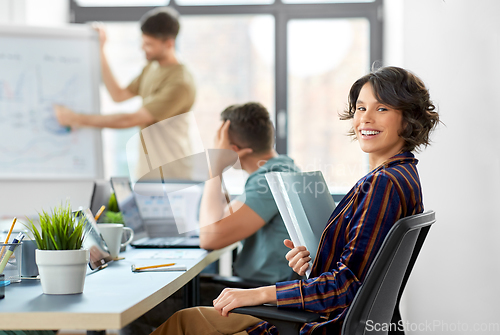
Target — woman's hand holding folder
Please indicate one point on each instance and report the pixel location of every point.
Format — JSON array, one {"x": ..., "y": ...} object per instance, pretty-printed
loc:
[{"x": 298, "y": 258}]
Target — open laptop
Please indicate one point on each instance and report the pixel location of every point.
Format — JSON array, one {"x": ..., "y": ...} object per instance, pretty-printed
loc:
[{"x": 156, "y": 219}]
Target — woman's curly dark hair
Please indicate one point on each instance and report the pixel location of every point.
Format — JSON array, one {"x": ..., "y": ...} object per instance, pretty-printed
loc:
[{"x": 401, "y": 90}]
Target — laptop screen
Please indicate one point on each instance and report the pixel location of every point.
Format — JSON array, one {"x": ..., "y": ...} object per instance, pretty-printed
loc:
[
  {"x": 173, "y": 214},
  {"x": 127, "y": 204}
]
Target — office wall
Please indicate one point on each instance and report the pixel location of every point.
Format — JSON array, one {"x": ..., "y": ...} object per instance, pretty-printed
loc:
[
  {"x": 47, "y": 12},
  {"x": 454, "y": 46},
  {"x": 35, "y": 12},
  {"x": 12, "y": 11}
]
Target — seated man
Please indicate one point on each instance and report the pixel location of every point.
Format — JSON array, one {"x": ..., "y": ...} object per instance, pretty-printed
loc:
[
  {"x": 248, "y": 131},
  {"x": 252, "y": 218}
]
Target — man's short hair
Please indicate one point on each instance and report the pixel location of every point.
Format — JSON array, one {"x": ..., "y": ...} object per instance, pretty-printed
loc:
[
  {"x": 161, "y": 23},
  {"x": 250, "y": 127}
]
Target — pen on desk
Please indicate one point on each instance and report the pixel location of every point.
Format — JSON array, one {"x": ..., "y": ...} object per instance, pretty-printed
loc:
[
  {"x": 8, "y": 236},
  {"x": 99, "y": 212},
  {"x": 150, "y": 267},
  {"x": 10, "y": 251}
]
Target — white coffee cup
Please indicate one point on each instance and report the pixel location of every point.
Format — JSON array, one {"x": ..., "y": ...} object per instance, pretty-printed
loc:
[{"x": 112, "y": 235}]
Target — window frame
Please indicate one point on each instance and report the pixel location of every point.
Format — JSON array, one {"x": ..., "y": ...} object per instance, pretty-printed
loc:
[{"x": 282, "y": 12}]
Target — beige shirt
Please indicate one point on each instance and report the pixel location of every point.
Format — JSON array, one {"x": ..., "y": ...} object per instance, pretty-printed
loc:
[{"x": 167, "y": 91}]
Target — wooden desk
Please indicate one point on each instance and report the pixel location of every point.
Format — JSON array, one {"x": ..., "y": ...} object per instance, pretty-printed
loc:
[{"x": 112, "y": 297}]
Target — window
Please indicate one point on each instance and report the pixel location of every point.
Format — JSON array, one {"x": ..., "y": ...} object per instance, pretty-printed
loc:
[
  {"x": 121, "y": 3},
  {"x": 325, "y": 57},
  {"x": 298, "y": 58},
  {"x": 125, "y": 57},
  {"x": 222, "y": 2},
  {"x": 239, "y": 51},
  {"x": 325, "y": 1},
  {"x": 243, "y": 60}
]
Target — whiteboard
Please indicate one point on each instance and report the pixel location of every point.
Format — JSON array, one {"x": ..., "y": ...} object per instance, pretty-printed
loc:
[{"x": 40, "y": 67}]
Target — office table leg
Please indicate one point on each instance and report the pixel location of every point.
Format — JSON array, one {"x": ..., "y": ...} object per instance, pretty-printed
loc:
[
  {"x": 196, "y": 291},
  {"x": 192, "y": 293}
]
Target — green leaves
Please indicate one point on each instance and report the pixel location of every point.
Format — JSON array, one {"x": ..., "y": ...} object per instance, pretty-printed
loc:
[
  {"x": 112, "y": 204},
  {"x": 59, "y": 231},
  {"x": 113, "y": 217}
]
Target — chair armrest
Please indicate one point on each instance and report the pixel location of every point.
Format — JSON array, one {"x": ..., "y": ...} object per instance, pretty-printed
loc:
[
  {"x": 266, "y": 312},
  {"x": 233, "y": 281}
]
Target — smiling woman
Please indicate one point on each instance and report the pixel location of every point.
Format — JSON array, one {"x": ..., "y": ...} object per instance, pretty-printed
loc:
[
  {"x": 377, "y": 127},
  {"x": 386, "y": 106},
  {"x": 397, "y": 89}
]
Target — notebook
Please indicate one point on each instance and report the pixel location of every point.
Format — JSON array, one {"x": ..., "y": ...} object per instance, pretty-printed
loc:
[
  {"x": 305, "y": 204},
  {"x": 156, "y": 225}
]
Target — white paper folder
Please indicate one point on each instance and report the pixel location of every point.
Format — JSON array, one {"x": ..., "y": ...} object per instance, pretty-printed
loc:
[{"x": 305, "y": 204}]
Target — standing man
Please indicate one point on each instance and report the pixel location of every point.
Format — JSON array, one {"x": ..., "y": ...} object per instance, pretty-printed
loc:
[{"x": 165, "y": 85}]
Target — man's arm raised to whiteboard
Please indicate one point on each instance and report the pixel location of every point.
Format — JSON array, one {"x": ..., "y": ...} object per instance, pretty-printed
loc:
[
  {"x": 67, "y": 117},
  {"x": 117, "y": 93},
  {"x": 142, "y": 117}
]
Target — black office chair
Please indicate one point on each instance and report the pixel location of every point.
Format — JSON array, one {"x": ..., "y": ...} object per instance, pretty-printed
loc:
[
  {"x": 378, "y": 298},
  {"x": 238, "y": 282},
  {"x": 232, "y": 281}
]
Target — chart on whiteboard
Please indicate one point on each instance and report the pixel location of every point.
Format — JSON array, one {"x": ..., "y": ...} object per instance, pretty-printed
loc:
[{"x": 36, "y": 74}]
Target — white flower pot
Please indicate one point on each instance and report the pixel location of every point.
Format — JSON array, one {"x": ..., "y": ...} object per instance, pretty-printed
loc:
[{"x": 62, "y": 271}]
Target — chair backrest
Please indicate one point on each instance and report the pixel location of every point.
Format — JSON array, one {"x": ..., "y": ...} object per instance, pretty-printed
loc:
[{"x": 378, "y": 298}]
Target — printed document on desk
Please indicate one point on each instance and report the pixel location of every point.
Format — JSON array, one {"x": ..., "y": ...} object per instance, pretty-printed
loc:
[
  {"x": 305, "y": 204},
  {"x": 170, "y": 254}
]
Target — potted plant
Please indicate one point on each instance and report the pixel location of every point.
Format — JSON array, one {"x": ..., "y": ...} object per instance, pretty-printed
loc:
[
  {"x": 112, "y": 217},
  {"x": 113, "y": 214},
  {"x": 61, "y": 261}
]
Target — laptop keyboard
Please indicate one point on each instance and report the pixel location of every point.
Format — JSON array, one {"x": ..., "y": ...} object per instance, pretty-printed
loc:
[{"x": 158, "y": 241}]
